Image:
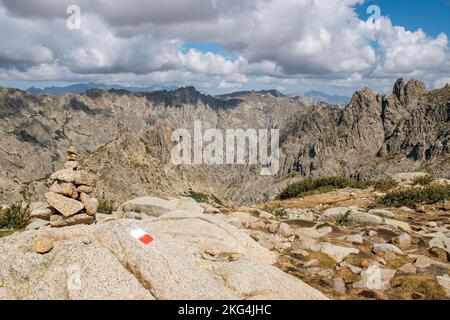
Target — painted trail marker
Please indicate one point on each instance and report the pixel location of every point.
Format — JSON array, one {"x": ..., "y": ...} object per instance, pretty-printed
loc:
[{"x": 142, "y": 236}]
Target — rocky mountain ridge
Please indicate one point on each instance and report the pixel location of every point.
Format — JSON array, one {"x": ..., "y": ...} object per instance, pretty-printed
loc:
[{"x": 125, "y": 138}]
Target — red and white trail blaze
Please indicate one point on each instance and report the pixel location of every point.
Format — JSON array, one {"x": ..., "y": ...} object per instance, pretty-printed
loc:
[{"x": 142, "y": 236}]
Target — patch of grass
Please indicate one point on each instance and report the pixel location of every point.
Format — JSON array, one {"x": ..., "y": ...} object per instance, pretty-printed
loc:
[
  {"x": 426, "y": 285},
  {"x": 325, "y": 260},
  {"x": 431, "y": 194},
  {"x": 343, "y": 219},
  {"x": 148, "y": 151},
  {"x": 106, "y": 206},
  {"x": 15, "y": 217},
  {"x": 277, "y": 210},
  {"x": 8, "y": 233},
  {"x": 423, "y": 181}
]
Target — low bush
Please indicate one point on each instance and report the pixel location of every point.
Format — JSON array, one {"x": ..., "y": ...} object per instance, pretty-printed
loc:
[
  {"x": 321, "y": 185},
  {"x": 276, "y": 209},
  {"x": 311, "y": 185},
  {"x": 326, "y": 184},
  {"x": 198, "y": 196},
  {"x": 343, "y": 219},
  {"x": 431, "y": 194},
  {"x": 15, "y": 217},
  {"x": 106, "y": 206},
  {"x": 203, "y": 197},
  {"x": 423, "y": 181}
]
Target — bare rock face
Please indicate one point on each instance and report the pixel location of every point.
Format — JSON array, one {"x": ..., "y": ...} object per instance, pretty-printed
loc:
[
  {"x": 191, "y": 257},
  {"x": 69, "y": 195}
]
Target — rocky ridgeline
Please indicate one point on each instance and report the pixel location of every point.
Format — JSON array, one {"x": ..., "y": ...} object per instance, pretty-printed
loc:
[
  {"x": 69, "y": 195},
  {"x": 373, "y": 137}
]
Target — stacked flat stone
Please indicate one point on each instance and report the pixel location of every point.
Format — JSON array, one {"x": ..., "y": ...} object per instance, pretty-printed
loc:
[{"x": 69, "y": 195}]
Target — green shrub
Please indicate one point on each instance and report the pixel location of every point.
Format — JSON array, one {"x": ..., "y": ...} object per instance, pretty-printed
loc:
[
  {"x": 15, "y": 217},
  {"x": 423, "y": 181},
  {"x": 326, "y": 184},
  {"x": 198, "y": 196},
  {"x": 276, "y": 209},
  {"x": 343, "y": 219},
  {"x": 321, "y": 185},
  {"x": 278, "y": 212},
  {"x": 411, "y": 197},
  {"x": 106, "y": 206}
]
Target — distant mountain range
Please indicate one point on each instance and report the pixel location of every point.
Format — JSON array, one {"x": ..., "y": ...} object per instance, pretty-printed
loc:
[
  {"x": 81, "y": 88},
  {"x": 324, "y": 97}
]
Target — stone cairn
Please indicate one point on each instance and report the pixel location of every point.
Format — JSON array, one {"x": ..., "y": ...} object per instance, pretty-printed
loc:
[{"x": 69, "y": 195}]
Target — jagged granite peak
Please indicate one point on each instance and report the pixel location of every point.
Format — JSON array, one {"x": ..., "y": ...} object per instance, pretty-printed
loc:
[
  {"x": 399, "y": 89},
  {"x": 412, "y": 90}
]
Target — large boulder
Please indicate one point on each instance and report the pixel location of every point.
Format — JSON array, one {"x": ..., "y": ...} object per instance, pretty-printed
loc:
[
  {"x": 335, "y": 213},
  {"x": 188, "y": 204},
  {"x": 179, "y": 256},
  {"x": 154, "y": 206},
  {"x": 151, "y": 206},
  {"x": 338, "y": 253},
  {"x": 364, "y": 219}
]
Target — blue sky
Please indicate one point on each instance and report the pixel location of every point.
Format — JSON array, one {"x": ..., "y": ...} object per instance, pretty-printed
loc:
[
  {"x": 293, "y": 46},
  {"x": 432, "y": 16}
]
